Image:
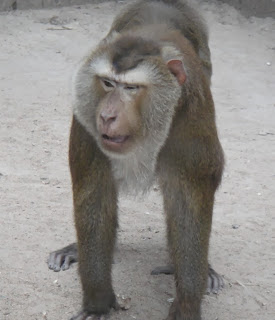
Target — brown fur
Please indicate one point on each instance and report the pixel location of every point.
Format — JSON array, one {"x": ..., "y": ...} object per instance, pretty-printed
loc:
[
  {"x": 188, "y": 160},
  {"x": 178, "y": 15},
  {"x": 93, "y": 214},
  {"x": 128, "y": 52}
]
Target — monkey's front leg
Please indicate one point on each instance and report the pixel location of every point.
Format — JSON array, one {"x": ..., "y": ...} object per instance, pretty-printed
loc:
[
  {"x": 188, "y": 205},
  {"x": 95, "y": 206}
]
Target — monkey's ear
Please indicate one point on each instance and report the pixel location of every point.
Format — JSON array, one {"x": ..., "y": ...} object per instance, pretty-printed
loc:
[
  {"x": 176, "y": 68},
  {"x": 111, "y": 36}
]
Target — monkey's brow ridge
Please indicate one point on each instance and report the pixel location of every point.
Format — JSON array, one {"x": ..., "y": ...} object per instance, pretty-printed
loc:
[{"x": 129, "y": 51}]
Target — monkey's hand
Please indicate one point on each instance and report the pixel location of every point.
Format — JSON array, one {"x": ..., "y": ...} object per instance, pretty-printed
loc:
[
  {"x": 177, "y": 312},
  {"x": 63, "y": 258}
]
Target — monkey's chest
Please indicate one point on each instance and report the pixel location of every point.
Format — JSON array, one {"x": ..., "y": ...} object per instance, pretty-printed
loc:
[{"x": 134, "y": 174}]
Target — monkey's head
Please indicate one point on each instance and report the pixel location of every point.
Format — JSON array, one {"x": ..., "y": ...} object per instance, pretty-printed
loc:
[{"x": 127, "y": 91}]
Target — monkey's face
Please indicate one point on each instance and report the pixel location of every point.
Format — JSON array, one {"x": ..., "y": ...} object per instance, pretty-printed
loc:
[
  {"x": 118, "y": 115},
  {"x": 126, "y": 98}
]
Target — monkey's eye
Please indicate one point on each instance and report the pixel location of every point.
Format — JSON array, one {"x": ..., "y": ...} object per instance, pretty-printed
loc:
[
  {"x": 131, "y": 87},
  {"x": 107, "y": 84}
]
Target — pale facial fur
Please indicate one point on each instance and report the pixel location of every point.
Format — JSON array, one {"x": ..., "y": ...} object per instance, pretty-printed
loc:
[
  {"x": 103, "y": 68},
  {"x": 135, "y": 171}
]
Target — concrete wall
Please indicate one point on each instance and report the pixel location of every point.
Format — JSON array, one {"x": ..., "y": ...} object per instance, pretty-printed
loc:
[
  {"x": 6, "y": 5},
  {"x": 260, "y": 8}
]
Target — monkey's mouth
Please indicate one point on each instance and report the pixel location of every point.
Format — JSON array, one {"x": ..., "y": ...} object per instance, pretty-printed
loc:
[
  {"x": 116, "y": 139},
  {"x": 114, "y": 142}
]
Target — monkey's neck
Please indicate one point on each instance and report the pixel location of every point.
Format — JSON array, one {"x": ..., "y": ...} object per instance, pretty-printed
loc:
[{"x": 135, "y": 174}]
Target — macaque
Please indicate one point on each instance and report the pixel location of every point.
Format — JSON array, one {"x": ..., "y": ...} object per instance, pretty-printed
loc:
[{"x": 143, "y": 114}]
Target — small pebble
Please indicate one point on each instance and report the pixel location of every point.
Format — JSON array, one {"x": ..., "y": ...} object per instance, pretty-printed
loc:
[{"x": 124, "y": 303}]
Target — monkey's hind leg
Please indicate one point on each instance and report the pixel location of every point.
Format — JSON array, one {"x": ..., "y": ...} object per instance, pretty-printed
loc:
[
  {"x": 63, "y": 258},
  {"x": 215, "y": 281}
]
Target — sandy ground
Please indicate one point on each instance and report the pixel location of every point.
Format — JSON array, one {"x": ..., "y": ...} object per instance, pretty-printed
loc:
[{"x": 38, "y": 54}]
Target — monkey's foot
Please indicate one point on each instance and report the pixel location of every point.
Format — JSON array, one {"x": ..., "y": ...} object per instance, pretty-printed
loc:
[
  {"x": 178, "y": 312},
  {"x": 215, "y": 282},
  {"x": 83, "y": 315},
  {"x": 63, "y": 258}
]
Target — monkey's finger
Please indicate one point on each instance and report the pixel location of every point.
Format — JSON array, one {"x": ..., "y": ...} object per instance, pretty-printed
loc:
[
  {"x": 52, "y": 261},
  {"x": 67, "y": 262},
  {"x": 209, "y": 285},
  {"x": 218, "y": 283},
  {"x": 215, "y": 284},
  {"x": 59, "y": 260}
]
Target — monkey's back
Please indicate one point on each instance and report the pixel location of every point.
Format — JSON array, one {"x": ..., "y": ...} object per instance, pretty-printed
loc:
[{"x": 176, "y": 15}]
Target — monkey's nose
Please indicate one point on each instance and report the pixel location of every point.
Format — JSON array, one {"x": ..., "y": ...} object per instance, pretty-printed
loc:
[{"x": 107, "y": 118}]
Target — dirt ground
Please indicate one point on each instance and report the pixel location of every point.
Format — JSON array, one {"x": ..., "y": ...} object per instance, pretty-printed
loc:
[{"x": 39, "y": 51}]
